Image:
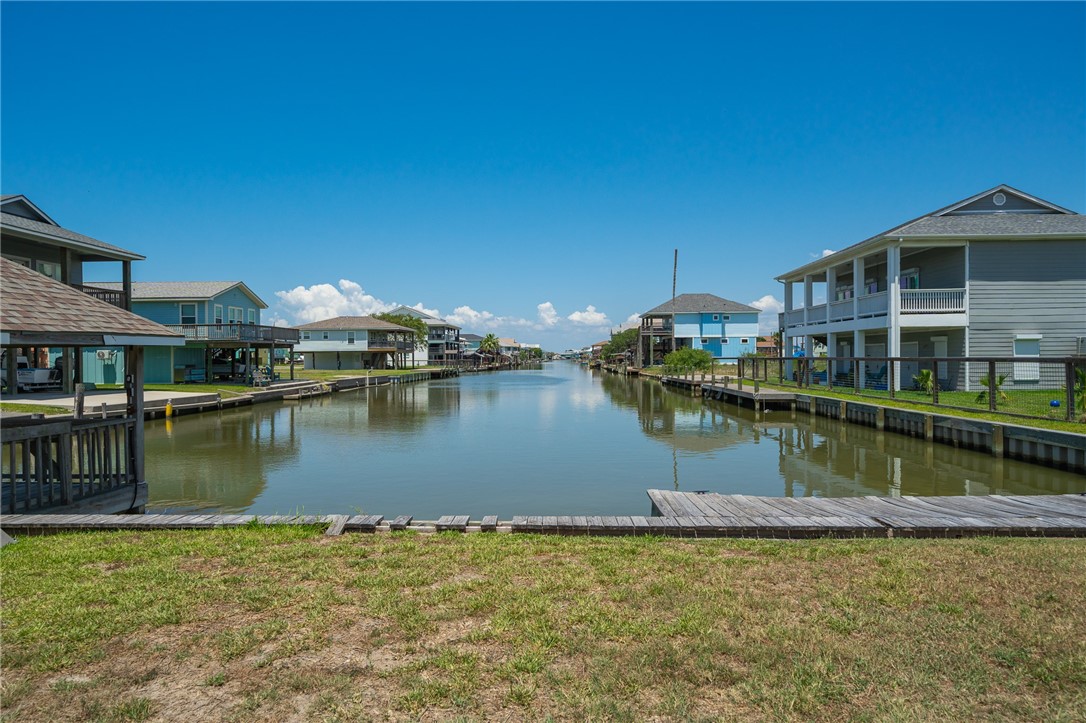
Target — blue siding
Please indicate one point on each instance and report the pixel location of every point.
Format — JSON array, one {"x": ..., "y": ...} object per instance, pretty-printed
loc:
[
  {"x": 103, "y": 371},
  {"x": 156, "y": 365},
  {"x": 234, "y": 297},
  {"x": 165, "y": 312}
]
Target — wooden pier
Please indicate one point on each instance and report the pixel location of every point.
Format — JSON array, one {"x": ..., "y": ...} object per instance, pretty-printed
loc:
[
  {"x": 714, "y": 515},
  {"x": 749, "y": 394},
  {"x": 676, "y": 514}
]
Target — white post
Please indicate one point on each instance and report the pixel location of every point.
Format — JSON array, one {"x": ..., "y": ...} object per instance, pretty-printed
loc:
[
  {"x": 893, "y": 284},
  {"x": 831, "y": 290},
  {"x": 857, "y": 285},
  {"x": 860, "y": 351},
  {"x": 808, "y": 298}
]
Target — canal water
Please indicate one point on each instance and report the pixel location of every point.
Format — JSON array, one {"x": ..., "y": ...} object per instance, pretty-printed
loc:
[{"x": 556, "y": 440}]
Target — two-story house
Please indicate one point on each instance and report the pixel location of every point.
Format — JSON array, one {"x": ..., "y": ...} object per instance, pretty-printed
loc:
[
  {"x": 221, "y": 324},
  {"x": 724, "y": 328},
  {"x": 443, "y": 339},
  {"x": 998, "y": 274},
  {"x": 355, "y": 342},
  {"x": 29, "y": 237}
]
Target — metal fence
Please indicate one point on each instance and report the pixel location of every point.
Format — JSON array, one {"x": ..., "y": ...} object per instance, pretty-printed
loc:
[{"x": 1022, "y": 386}]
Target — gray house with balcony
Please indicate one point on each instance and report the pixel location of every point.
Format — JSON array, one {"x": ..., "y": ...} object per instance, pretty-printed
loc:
[
  {"x": 31, "y": 238},
  {"x": 998, "y": 274},
  {"x": 442, "y": 339}
]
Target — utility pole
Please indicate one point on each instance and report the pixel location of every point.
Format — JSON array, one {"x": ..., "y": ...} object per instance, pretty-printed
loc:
[{"x": 674, "y": 274}]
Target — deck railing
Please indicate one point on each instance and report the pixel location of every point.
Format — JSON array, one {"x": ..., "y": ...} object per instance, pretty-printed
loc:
[
  {"x": 115, "y": 297},
  {"x": 237, "y": 332},
  {"x": 48, "y": 464},
  {"x": 933, "y": 301}
]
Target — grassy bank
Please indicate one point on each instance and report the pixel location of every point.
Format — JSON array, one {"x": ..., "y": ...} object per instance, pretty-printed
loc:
[
  {"x": 263, "y": 624},
  {"x": 32, "y": 408}
]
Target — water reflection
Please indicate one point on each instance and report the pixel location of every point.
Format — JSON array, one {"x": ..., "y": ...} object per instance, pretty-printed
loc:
[
  {"x": 818, "y": 456},
  {"x": 557, "y": 440}
]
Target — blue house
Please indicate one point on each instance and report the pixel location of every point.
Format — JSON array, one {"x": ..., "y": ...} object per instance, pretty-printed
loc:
[
  {"x": 221, "y": 324},
  {"x": 726, "y": 329}
]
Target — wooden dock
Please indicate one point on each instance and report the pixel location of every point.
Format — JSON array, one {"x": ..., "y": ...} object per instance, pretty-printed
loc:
[
  {"x": 676, "y": 514},
  {"x": 958, "y": 516},
  {"x": 750, "y": 394}
]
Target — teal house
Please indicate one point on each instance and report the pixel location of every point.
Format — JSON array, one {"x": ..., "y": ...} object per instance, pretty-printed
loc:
[
  {"x": 220, "y": 320},
  {"x": 724, "y": 328}
]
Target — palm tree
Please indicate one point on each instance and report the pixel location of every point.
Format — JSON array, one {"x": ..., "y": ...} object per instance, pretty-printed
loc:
[{"x": 490, "y": 344}]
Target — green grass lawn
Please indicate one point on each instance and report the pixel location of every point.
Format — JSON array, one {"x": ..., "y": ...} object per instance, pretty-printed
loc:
[
  {"x": 284, "y": 623},
  {"x": 32, "y": 408}
]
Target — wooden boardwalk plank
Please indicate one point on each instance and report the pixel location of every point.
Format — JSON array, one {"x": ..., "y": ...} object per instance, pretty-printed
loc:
[
  {"x": 335, "y": 529},
  {"x": 400, "y": 523},
  {"x": 489, "y": 523}
]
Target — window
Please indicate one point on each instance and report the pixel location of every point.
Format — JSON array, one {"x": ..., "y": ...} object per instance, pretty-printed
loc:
[
  {"x": 218, "y": 313},
  {"x": 744, "y": 340},
  {"x": 236, "y": 314},
  {"x": 724, "y": 340},
  {"x": 1027, "y": 345},
  {"x": 188, "y": 313},
  {"x": 252, "y": 316},
  {"x": 324, "y": 335},
  {"x": 704, "y": 342},
  {"x": 350, "y": 337},
  {"x": 910, "y": 279},
  {"x": 727, "y": 317},
  {"x": 50, "y": 269},
  {"x": 305, "y": 336},
  {"x": 716, "y": 317}
]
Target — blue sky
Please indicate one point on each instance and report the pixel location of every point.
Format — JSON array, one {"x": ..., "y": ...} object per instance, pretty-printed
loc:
[{"x": 526, "y": 169}]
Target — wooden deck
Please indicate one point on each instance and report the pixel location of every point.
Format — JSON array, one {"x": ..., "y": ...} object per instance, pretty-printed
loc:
[
  {"x": 959, "y": 516},
  {"x": 678, "y": 514}
]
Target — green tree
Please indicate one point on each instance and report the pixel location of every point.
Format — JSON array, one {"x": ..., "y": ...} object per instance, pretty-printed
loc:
[
  {"x": 490, "y": 344},
  {"x": 689, "y": 360},
  {"x": 411, "y": 322},
  {"x": 621, "y": 342}
]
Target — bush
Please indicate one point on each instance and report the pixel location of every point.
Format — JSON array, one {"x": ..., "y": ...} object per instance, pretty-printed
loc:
[{"x": 688, "y": 360}]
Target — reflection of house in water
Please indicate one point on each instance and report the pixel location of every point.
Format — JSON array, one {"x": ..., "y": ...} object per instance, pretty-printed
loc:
[
  {"x": 224, "y": 457},
  {"x": 825, "y": 458},
  {"x": 387, "y": 408}
]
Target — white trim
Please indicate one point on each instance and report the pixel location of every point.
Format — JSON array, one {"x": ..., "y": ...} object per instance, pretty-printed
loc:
[{"x": 129, "y": 340}]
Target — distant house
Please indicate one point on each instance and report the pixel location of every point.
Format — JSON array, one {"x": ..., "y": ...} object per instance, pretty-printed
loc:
[
  {"x": 768, "y": 346},
  {"x": 355, "y": 342},
  {"x": 725, "y": 329},
  {"x": 30, "y": 238},
  {"x": 443, "y": 339},
  {"x": 221, "y": 324},
  {"x": 998, "y": 274}
]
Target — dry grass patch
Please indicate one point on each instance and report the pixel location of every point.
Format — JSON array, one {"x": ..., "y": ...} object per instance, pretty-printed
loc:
[{"x": 284, "y": 624}]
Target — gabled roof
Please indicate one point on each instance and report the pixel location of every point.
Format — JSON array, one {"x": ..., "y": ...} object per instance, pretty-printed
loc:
[
  {"x": 37, "y": 309},
  {"x": 28, "y": 221},
  {"x": 977, "y": 218},
  {"x": 181, "y": 290},
  {"x": 700, "y": 304},
  {"x": 470, "y": 337},
  {"x": 428, "y": 318},
  {"x": 352, "y": 323}
]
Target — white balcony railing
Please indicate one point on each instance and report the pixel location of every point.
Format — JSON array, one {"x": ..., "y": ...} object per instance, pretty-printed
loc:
[{"x": 932, "y": 301}]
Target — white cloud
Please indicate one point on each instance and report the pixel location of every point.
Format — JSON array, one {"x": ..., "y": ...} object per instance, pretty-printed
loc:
[
  {"x": 768, "y": 306},
  {"x": 824, "y": 254},
  {"x": 469, "y": 318},
  {"x": 589, "y": 317},
  {"x": 547, "y": 315},
  {"x": 324, "y": 301},
  {"x": 632, "y": 321}
]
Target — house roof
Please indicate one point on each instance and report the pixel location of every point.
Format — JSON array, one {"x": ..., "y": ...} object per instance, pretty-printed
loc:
[
  {"x": 976, "y": 218},
  {"x": 173, "y": 290},
  {"x": 700, "y": 304},
  {"x": 352, "y": 323},
  {"x": 45, "y": 230},
  {"x": 428, "y": 318},
  {"x": 470, "y": 337},
  {"x": 39, "y": 310}
]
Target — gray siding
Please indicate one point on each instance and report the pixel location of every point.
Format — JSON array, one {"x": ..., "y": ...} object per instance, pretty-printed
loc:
[
  {"x": 1020, "y": 287},
  {"x": 940, "y": 268}
]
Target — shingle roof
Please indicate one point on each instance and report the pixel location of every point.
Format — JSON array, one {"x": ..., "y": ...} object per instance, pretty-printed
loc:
[
  {"x": 150, "y": 290},
  {"x": 64, "y": 236},
  {"x": 994, "y": 224},
  {"x": 33, "y": 302},
  {"x": 699, "y": 304},
  {"x": 353, "y": 323}
]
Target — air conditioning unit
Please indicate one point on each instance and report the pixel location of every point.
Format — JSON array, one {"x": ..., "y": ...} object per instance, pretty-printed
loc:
[{"x": 105, "y": 354}]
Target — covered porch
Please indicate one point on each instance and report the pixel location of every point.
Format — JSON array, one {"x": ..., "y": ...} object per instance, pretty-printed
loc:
[{"x": 73, "y": 464}]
